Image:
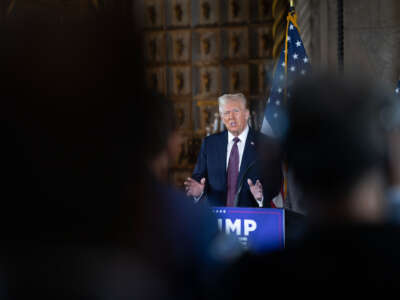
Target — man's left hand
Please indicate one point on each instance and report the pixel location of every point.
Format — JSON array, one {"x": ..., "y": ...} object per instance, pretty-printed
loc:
[{"x": 256, "y": 189}]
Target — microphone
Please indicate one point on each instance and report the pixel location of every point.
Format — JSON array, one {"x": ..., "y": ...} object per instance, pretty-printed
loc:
[{"x": 242, "y": 181}]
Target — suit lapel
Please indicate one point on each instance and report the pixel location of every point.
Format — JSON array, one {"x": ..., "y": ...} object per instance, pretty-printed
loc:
[{"x": 249, "y": 154}]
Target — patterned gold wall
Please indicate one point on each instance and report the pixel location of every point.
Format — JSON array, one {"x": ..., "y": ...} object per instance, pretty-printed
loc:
[{"x": 197, "y": 50}]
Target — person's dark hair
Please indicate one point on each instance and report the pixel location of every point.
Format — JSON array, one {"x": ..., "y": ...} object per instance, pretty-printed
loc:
[
  {"x": 336, "y": 133},
  {"x": 69, "y": 93}
]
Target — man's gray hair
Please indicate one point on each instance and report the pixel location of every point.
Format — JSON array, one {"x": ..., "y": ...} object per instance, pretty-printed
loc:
[{"x": 231, "y": 97}]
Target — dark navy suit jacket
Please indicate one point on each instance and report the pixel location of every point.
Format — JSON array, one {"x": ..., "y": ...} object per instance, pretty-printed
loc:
[{"x": 211, "y": 164}]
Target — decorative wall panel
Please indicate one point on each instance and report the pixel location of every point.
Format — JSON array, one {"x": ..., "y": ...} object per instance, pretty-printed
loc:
[
  {"x": 237, "y": 42},
  {"x": 208, "y": 11},
  {"x": 237, "y": 11},
  {"x": 206, "y": 81},
  {"x": 179, "y": 80},
  {"x": 182, "y": 111},
  {"x": 178, "y": 13},
  {"x": 238, "y": 79},
  {"x": 155, "y": 47},
  {"x": 264, "y": 41},
  {"x": 264, "y": 10},
  {"x": 206, "y": 46},
  {"x": 154, "y": 14},
  {"x": 156, "y": 78},
  {"x": 178, "y": 45}
]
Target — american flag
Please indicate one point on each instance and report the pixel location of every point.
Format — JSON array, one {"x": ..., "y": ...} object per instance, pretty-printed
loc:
[{"x": 293, "y": 62}]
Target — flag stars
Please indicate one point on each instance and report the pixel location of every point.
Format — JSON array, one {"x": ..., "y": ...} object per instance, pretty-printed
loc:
[{"x": 294, "y": 60}]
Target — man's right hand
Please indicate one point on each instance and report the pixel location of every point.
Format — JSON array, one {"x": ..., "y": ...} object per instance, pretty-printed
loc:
[{"x": 193, "y": 187}]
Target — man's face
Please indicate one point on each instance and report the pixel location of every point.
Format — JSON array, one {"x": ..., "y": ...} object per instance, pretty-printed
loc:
[{"x": 235, "y": 116}]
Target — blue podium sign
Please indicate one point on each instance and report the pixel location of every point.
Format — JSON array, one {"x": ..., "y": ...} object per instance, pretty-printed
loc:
[{"x": 258, "y": 229}]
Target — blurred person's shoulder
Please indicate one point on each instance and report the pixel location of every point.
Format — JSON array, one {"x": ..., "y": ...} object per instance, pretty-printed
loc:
[
  {"x": 348, "y": 260},
  {"x": 76, "y": 270},
  {"x": 182, "y": 205},
  {"x": 318, "y": 247}
]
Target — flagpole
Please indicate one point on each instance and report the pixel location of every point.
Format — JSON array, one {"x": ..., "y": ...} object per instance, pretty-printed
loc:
[{"x": 340, "y": 35}]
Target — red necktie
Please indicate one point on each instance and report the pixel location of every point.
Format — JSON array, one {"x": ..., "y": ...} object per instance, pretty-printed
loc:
[{"x": 233, "y": 173}]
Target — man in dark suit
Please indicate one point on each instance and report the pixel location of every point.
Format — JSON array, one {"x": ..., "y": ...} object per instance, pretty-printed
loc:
[{"x": 227, "y": 172}]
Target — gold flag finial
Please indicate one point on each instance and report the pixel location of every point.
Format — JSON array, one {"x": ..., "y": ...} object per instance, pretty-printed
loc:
[{"x": 291, "y": 3}]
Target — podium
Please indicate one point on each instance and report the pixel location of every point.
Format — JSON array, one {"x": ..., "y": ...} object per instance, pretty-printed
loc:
[{"x": 259, "y": 230}]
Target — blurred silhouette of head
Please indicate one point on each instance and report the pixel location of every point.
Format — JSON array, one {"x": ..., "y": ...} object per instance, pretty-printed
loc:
[
  {"x": 71, "y": 97},
  {"x": 337, "y": 144}
]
